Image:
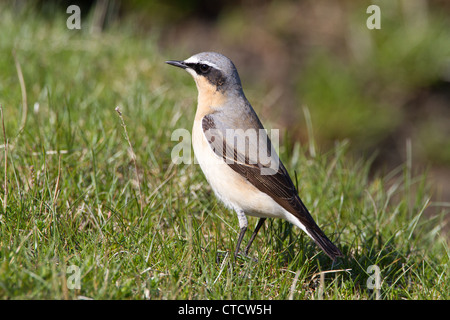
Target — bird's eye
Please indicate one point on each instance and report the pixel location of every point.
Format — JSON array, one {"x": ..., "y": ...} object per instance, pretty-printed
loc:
[{"x": 204, "y": 68}]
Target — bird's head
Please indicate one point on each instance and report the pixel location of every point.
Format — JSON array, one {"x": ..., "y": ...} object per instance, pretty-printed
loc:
[{"x": 211, "y": 71}]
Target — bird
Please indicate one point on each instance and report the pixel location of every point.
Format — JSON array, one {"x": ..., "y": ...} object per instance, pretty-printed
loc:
[{"x": 237, "y": 156}]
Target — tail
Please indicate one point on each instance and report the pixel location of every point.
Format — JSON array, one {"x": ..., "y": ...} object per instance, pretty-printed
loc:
[{"x": 323, "y": 242}]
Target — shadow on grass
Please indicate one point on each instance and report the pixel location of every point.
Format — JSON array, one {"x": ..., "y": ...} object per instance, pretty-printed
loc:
[{"x": 364, "y": 260}]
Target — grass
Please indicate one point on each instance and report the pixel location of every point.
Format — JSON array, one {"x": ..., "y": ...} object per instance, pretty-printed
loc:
[{"x": 80, "y": 191}]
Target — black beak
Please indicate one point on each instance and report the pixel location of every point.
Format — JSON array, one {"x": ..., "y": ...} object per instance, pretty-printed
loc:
[{"x": 179, "y": 64}]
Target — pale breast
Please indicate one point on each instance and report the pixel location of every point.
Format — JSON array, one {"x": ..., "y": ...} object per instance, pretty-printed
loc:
[{"x": 229, "y": 186}]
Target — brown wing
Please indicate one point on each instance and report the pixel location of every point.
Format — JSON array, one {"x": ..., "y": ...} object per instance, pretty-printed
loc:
[{"x": 278, "y": 185}]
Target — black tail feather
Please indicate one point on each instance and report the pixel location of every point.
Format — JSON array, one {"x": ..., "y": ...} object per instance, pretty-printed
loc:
[{"x": 324, "y": 243}]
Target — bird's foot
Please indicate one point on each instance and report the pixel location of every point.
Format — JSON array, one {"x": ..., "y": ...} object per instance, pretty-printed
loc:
[
  {"x": 241, "y": 256},
  {"x": 221, "y": 256},
  {"x": 245, "y": 257}
]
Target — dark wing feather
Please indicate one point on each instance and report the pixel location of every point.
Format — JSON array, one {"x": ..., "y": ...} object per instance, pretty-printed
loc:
[{"x": 278, "y": 186}]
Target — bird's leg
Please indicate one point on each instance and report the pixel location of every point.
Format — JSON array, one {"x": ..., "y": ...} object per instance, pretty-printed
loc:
[
  {"x": 241, "y": 236},
  {"x": 243, "y": 226},
  {"x": 258, "y": 226}
]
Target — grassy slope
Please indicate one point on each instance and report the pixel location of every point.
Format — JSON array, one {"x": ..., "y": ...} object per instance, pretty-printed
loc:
[{"x": 72, "y": 195}]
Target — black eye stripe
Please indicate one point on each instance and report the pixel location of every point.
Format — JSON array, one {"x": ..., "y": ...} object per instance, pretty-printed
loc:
[
  {"x": 200, "y": 68},
  {"x": 214, "y": 76},
  {"x": 204, "y": 68},
  {"x": 191, "y": 65}
]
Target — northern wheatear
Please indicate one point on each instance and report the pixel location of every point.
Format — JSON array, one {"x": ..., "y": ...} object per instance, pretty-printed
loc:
[{"x": 232, "y": 148}]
